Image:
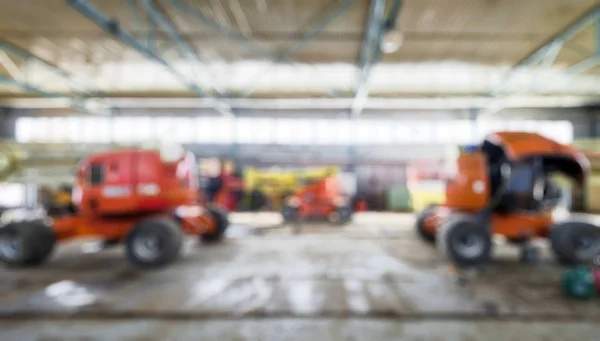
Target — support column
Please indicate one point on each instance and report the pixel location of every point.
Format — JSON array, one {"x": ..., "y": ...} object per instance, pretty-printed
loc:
[
  {"x": 8, "y": 124},
  {"x": 352, "y": 153},
  {"x": 474, "y": 118},
  {"x": 234, "y": 151},
  {"x": 594, "y": 130}
]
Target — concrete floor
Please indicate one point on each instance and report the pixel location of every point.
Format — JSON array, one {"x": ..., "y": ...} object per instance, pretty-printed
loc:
[{"x": 371, "y": 280}]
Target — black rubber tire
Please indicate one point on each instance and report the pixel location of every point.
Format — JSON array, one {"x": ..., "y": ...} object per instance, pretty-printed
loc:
[
  {"x": 37, "y": 243},
  {"x": 289, "y": 213},
  {"x": 420, "y": 224},
  {"x": 565, "y": 238},
  {"x": 460, "y": 226},
  {"x": 169, "y": 237},
  {"x": 222, "y": 223},
  {"x": 345, "y": 215}
]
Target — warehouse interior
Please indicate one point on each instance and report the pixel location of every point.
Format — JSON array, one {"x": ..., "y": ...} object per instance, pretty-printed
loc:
[{"x": 355, "y": 111}]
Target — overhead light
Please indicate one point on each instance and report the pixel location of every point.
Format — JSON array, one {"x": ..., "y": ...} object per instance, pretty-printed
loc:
[{"x": 392, "y": 40}]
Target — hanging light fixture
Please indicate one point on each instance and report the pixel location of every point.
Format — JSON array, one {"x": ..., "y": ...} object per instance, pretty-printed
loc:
[
  {"x": 392, "y": 38},
  {"x": 392, "y": 41}
]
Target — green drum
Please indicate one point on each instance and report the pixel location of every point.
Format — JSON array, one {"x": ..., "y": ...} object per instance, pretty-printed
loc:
[{"x": 579, "y": 283}]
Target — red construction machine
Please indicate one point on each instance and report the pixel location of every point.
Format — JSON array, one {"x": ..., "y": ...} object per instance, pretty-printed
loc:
[
  {"x": 319, "y": 198},
  {"x": 145, "y": 198},
  {"x": 504, "y": 187}
]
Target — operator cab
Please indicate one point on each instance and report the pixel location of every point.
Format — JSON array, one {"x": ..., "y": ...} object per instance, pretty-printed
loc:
[
  {"x": 525, "y": 182},
  {"x": 136, "y": 180}
]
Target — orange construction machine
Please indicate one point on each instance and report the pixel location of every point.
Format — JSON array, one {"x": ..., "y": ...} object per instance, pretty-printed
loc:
[
  {"x": 504, "y": 187},
  {"x": 145, "y": 198},
  {"x": 318, "y": 198}
]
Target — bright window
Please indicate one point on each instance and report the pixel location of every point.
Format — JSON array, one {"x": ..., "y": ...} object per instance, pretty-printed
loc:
[
  {"x": 74, "y": 129},
  {"x": 121, "y": 129},
  {"x": 325, "y": 131},
  {"x": 254, "y": 130},
  {"x": 174, "y": 129},
  {"x": 211, "y": 130},
  {"x": 294, "y": 131},
  {"x": 344, "y": 132},
  {"x": 13, "y": 195},
  {"x": 24, "y": 129},
  {"x": 141, "y": 128},
  {"x": 419, "y": 132},
  {"x": 41, "y": 130},
  {"x": 96, "y": 129},
  {"x": 452, "y": 132},
  {"x": 263, "y": 130},
  {"x": 222, "y": 130},
  {"x": 373, "y": 132}
]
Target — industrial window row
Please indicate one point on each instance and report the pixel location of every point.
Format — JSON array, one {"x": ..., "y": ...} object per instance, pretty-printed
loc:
[{"x": 285, "y": 131}]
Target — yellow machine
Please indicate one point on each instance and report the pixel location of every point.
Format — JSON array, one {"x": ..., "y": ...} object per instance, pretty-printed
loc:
[
  {"x": 275, "y": 185},
  {"x": 9, "y": 162}
]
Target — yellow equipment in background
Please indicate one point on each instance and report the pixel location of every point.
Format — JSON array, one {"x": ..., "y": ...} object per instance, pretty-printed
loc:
[
  {"x": 591, "y": 195},
  {"x": 277, "y": 184},
  {"x": 421, "y": 198},
  {"x": 425, "y": 183},
  {"x": 9, "y": 162}
]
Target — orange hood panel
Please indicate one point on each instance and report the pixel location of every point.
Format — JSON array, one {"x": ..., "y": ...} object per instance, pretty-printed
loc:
[{"x": 524, "y": 145}]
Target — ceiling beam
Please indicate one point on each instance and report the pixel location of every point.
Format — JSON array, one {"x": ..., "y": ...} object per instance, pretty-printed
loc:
[
  {"x": 184, "y": 48},
  {"x": 90, "y": 106},
  {"x": 26, "y": 56},
  {"x": 369, "y": 53},
  {"x": 304, "y": 39},
  {"x": 250, "y": 45},
  {"x": 9, "y": 65},
  {"x": 314, "y": 105},
  {"x": 560, "y": 38},
  {"x": 79, "y": 93},
  {"x": 593, "y": 61},
  {"x": 545, "y": 55},
  {"x": 113, "y": 28}
]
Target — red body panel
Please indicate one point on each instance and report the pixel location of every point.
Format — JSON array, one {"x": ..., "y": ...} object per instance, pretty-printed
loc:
[
  {"x": 134, "y": 181},
  {"x": 318, "y": 198},
  {"x": 117, "y": 189}
]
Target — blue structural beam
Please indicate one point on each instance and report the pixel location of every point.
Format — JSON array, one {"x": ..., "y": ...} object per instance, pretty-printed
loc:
[
  {"x": 587, "y": 19},
  {"x": 369, "y": 53},
  {"x": 548, "y": 51},
  {"x": 78, "y": 103},
  {"x": 113, "y": 28},
  {"x": 182, "y": 46},
  {"x": 225, "y": 31},
  {"x": 26, "y": 56},
  {"x": 307, "y": 37},
  {"x": 258, "y": 49},
  {"x": 594, "y": 60},
  {"x": 587, "y": 64},
  {"x": 80, "y": 94}
]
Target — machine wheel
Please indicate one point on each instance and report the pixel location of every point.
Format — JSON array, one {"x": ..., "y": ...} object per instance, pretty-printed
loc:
[
  {"x": 26, "y": 243},
  {"x": 341, "y": 216},
  {"x": 575, "y": 242},
  {"x": 289, "y": 213},
  {"x": 153, "y": 242},
  {"x": 221, "y": 226},
  {"x": 465, "y": 241},
  {"x": 420, "y": 224}
]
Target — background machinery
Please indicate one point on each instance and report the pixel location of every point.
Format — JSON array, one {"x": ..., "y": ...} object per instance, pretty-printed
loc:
[
  {"x": 504, "y": 187},
  {"x": 272, "y": 187},
  {"x": 318, "y": 197},
  {"x": 146, "y": 198}
]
